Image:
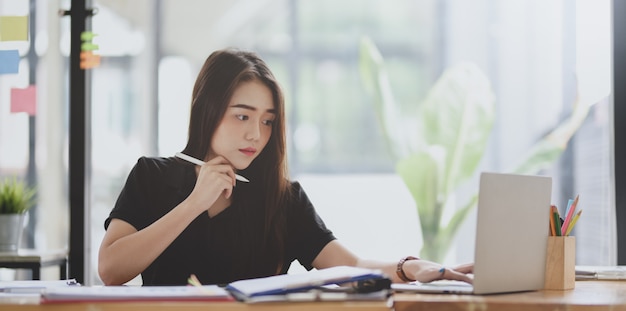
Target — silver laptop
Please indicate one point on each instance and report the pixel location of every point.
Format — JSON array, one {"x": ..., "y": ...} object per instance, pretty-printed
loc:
[{"x": 511, "y": 237}]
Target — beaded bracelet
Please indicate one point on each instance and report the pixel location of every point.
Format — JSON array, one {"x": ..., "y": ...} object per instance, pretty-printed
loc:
[{"x": 399, "y": 270}]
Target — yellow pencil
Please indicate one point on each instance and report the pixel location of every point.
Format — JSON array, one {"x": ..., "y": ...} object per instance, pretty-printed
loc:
[{"x": 571, "y": 225}]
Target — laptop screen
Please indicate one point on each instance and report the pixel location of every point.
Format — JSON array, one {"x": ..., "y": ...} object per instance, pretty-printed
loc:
[{"x": 511, "y": 232}]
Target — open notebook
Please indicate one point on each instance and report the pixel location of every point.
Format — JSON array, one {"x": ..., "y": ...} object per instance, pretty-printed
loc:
[{"x": 511, "y": 237}]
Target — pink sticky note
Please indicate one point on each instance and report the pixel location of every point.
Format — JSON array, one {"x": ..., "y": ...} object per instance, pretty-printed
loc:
[{"x": 24, "y": 100}]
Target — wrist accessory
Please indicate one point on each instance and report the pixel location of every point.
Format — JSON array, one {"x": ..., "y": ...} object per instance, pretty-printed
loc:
[{"x": 399, "y": 270}]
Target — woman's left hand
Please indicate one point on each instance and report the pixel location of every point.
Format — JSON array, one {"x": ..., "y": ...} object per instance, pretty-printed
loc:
[{"x": 425, "y": 271}]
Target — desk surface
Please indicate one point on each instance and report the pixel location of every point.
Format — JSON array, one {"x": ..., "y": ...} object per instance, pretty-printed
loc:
[
  {"x": 588, "y": 296},
  {"x": 202, "y": 306}
]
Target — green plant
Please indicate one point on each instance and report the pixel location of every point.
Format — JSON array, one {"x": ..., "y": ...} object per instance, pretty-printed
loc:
[
  {"x": 441, "y": 145},
  {"x": 15, "y": 196}
]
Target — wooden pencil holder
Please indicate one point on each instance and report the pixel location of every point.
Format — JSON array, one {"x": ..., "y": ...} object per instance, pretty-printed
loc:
[{"x": 560, "y": 263}]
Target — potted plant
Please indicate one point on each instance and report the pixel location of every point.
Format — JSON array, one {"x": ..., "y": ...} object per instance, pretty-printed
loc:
[
  {"x": 439, "y": 147},
  {"x": 16, "y": 198}
]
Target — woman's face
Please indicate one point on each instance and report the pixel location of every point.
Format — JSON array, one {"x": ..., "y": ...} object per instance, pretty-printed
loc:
[{"x": 247, "y": 125}]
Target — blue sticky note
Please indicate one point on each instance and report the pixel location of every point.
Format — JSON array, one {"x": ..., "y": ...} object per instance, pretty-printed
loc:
[{"x": 9, "y": 61}]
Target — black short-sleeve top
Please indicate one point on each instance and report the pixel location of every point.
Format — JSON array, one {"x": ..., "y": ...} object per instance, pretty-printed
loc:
[{"x": 210, "y": 246}]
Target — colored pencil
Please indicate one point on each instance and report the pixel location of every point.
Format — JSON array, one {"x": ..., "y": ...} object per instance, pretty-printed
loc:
[
  {"x": 573, "y": 222},
  {"x": 571, "y": 208},
  {"x": 552, "y": 230}
]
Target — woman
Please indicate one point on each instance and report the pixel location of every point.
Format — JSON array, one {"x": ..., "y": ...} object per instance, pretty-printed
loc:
[{"x": 173, "y": 218}]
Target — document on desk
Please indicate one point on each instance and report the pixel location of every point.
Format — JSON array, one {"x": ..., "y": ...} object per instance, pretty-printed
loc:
[
  {"x": 615, "y": 273},
  {"x": 33, "y": 286},
  {"x": 135, "y": 293},
  {"x": 321, "y": 295},
  {"x": 299, "y": 282},
  {"x": 28, "y": 291}
]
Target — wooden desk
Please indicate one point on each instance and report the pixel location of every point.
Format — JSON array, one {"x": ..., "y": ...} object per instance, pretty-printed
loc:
[
  {"x": 201, "y": 306},
  {"x": 34, "y": 260},
  {"x": 587, "y": 296}
]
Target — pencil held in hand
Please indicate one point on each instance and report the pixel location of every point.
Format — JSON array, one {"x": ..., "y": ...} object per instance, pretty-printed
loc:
[{"x": 199, "y": 162}]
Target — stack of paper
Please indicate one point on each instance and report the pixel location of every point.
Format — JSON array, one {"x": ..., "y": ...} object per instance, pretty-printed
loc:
[
  {"x": 310, "y": 286},
  {"x": 135, "y": 293},
  {"x": 301, "y": 286},
  {"x": 617, "y": 273},
  {"x": 29, "y": 291},
  {"x": 33, "y": 286}
]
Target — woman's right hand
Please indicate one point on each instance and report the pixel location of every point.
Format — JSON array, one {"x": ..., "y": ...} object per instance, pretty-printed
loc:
[{"x": 215, "y": 177}]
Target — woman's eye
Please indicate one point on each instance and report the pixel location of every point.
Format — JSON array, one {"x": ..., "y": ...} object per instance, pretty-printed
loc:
[
  {"x": 268, "y": 122},
  {"x": 242, "y": 117}
]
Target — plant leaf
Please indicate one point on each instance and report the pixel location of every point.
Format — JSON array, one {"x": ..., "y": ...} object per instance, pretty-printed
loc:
[
  {"x": 421, "y": 173},
  {"x": 453, "y": 126},
  {"x": 16, "y": 197},
  {"x": 457, "y": 219},
  {"x": 550, "y": 147},
  {"x": 458, "y": 114},
  {"x": 376, "y": 82}
]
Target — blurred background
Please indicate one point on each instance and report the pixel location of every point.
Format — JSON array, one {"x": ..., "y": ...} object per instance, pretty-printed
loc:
[{"x": 538, "y": 56}]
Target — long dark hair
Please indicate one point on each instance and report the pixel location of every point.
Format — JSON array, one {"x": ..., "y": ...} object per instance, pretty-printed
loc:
[{"x": 222, "y": 72}]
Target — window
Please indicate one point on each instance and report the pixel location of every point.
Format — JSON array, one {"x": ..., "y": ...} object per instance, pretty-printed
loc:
[
  {"x": 33, "y": 145},
  {"x": 533, "y": 53},
  {"x": 536, "y": 56}
]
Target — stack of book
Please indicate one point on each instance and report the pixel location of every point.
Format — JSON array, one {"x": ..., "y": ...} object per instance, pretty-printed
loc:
[
  {"x": 333, "y": 284},
  {"x": 315, "y": 285}
]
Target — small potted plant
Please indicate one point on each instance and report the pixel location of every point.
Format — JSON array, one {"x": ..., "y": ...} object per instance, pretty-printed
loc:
[{"x": 16, "y": 198}]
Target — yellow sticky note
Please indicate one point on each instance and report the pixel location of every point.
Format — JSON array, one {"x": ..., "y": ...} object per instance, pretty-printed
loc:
[{"x": 13, "y": 28}]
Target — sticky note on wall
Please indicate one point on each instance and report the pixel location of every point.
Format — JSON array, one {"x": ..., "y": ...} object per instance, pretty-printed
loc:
[
  {"x": 13, "y": 28},
  {"x": 9, "y": 61},
  {"x": 24, "y": 100}
]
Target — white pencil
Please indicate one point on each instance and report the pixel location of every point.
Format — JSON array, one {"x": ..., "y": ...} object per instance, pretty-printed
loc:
[{"x": 199, "y": 162}]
